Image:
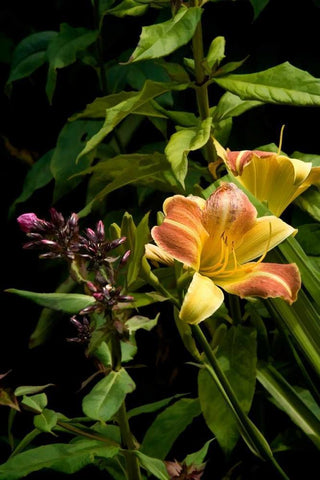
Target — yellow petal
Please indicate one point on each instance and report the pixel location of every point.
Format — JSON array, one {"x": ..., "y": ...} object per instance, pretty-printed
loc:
[
  {"x": 265, "y": 280},
  {"x": 157, "y": 255},
  {"x": 267, "y": 233},
  {"x": 301, "y": 170},
  {"x": 202, "y": 299}
]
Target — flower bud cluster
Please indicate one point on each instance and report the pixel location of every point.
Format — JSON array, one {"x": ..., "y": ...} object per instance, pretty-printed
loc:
[
  {"x": 177, "y": 470},
  {"x": 60, "y": 238}
]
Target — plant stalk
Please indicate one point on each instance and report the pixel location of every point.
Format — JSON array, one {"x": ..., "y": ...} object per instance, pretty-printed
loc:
[
  {"x": 250, "y": 433},
  {"x": 202, "y": 87}
]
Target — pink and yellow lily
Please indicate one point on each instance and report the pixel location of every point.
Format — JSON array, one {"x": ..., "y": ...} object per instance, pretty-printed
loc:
[
  {"x": 217, "y": 240},
  {"x": 274, "y": 179}
]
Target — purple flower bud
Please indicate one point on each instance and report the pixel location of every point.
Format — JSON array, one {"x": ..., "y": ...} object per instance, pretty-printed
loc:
[
  {"x": 126, "y": 298},
  {"x": 73, "y": 221},
  {"x": 28, "y": 222},
  {"x": 118, "y": 241},
  {"x": 100, "y": 231},
  {"x": 125, "y": 258}
]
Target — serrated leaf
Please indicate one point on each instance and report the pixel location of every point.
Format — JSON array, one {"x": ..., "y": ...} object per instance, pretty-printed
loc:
[
  {"x": 164, "y": 38},
  {"x": 64, "y": 49},
  {"x": 237, "y": 357},
  {"x": 107, "y": 395},
  {"x": 154, "y": 466},
  {"x": 46, "y": 420},
  {"x": 66, "y": 458},
  {"x": 30, "y": 54},
  {"x": 183, "y": 142},
  {"x": 283, "y": 84},
  {"x": 62, "y": 302},
  {"x": 168, "y": 425}
]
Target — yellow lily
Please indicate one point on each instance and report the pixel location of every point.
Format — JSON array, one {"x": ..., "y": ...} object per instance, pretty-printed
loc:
[
  {"x": 272, "y": 178},
  {"x": 217, "y": 239}
]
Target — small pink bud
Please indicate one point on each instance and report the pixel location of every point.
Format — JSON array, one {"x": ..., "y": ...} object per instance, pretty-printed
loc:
[{"x": 28, "y": 222}]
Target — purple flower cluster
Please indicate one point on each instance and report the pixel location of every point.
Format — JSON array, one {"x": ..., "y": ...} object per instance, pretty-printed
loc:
[
  {"x": 181, "y": 471},
  {"x": 60, "y": 238}
]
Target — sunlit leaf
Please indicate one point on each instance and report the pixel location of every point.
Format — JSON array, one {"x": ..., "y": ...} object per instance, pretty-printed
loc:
[
  {"x": 31, "y": 389},
  {"x": 184, "y": 141},
  {"x": 128, "y": 7},
  {"x": 62, "y": 302},
  {"x": 107, "y": 395},
  {"x": 153, "y": 465},
  {"x": 67, "y": 458},
  {"x": 216, "y": 52},
  {"x": 231, "y": 105},
  {"x": 283, "y": 84},
  {"x": 164, "y": 38},
  {"x": 46, "y": 420}
]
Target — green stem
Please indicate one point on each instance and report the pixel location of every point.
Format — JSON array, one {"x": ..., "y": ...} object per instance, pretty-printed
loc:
[
  {"x": 99, "y": 44},
  {"x": 127, "y": 439},
  {"x": 202, "y": 87},
  {"x": 249, "y": 431},
  {"x": 128, "y": 442}
]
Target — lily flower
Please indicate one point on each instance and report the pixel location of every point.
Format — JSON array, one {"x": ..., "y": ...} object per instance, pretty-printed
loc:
[
  {"x": 217, "y": 240},
  {"x": 272, "y": 178}
]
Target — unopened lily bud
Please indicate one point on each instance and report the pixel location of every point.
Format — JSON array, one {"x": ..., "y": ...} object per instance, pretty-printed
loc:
[
  {"x": 100, "y": 230},
  {"x": 28, "y": 222}
]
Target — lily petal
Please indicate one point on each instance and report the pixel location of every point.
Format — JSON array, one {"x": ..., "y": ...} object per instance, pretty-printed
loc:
[
  {"x": 228, "y": 215},
  {"x": 157, "y": 255},
  {"x": 202, "y": 299},
  {"x": 181, "y": 234},
  {"x": 266, "y": 234},
  {"x": 265, "y": 280}
]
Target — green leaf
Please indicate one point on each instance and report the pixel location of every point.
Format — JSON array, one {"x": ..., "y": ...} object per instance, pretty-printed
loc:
[
  {"x": 147, "y": 298},
  {"x": 231, "y": 105},
  {"x": 120, "y": 111},
  {"x": 309, "y": 201},
  {"x": 64, "y": 49},
  {"x": 128, "y": 7},
  {"x": 66, "y": 458},
  {"x": 164, "y": 38},
  {"x": 142, "y": 236},
  {"x": 216, "y": 52},
  {"x": 138, "y": 321},
  {"x": 198, "y": 457},
  {"x": 184, "y": 141},
  {"x": 125, "y": 170},
  {"x": 283, "y": 84},
  {"x": 307, "y": 157},
  {"x": 30, "y": 54},
  {"x": 46, "y": 421},
  {"x": 37, "y": 177},
  {"x": 290, "y": 402},
  {"x": 237, "y": 358},
  {"x": 31, "y": 389},
  {"x": 62, "y": 302},
  {"x": 258, "y": 6},
  {"x": 309, "y": 238},
  {"x": 152, "y": 407},
  {"x": 35, "y": 403},
  {"x": 168, "y": 425},
  {"x": 153, "y": 465},
  {"x": 106, "y": 397},
  {"x": 70, "y": 142}
]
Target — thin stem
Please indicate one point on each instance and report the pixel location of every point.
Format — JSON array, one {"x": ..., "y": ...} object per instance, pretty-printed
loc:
[
  {"x": 235, "y": 309},
  {"x": 133, "y": 467},
  {"x": 201, "y": 86},
  {"x": 99, "y": 43},
  {"x": 251, "y": 434}
]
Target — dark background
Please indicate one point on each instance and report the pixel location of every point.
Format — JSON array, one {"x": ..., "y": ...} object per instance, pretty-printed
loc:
[{"x": 285, "y": 31}]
